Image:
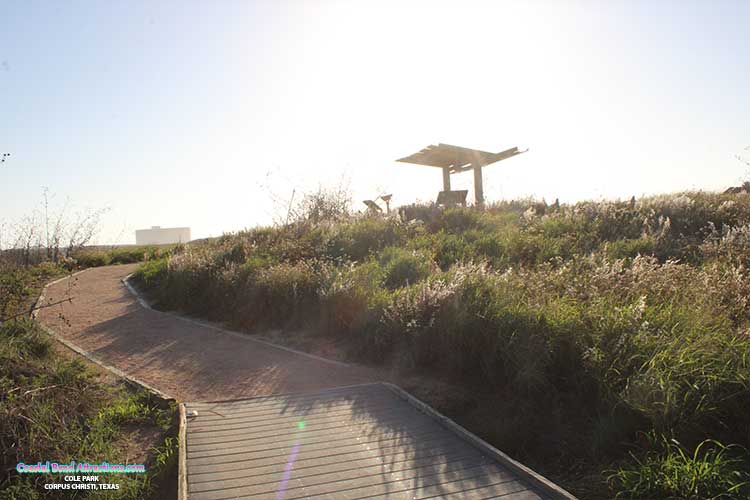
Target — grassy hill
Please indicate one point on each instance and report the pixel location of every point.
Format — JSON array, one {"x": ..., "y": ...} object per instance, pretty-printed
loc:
[{"x": 606, "y": 344}]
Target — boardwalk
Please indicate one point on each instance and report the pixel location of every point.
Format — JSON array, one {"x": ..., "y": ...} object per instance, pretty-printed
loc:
[{"x": 365, "y": 441}]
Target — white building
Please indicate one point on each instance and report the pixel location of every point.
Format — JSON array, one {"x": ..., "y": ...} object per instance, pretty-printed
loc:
[{"x": 162, "y": 235}]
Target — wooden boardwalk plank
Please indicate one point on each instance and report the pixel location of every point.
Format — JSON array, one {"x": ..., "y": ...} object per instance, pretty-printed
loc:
[
  {"x": 352, "y": 469},
  {"x": 335, "y": 453},
  {"x": 210, "y": 418},
  {"x": 363, "y": 479},
  {"x": 259, "y": 424},
  {"x": 378, "y": 456},
  {"x": 386, "y": 460},
  {"x": 320, "y": 427},
  {"x": 369, "y": 441}
]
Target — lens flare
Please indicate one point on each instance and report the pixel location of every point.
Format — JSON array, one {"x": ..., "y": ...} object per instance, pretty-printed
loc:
[{"x": 281, "y": 491}]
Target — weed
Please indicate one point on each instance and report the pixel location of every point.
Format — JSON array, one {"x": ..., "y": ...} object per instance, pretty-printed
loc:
[{"x": 669, "y": 471}]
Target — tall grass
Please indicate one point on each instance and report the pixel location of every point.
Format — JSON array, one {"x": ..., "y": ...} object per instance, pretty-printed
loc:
[
  {"x": 92, "y": 257},
  {"x": 667, "y": 470},
  {"x": 596, "y": 322}
]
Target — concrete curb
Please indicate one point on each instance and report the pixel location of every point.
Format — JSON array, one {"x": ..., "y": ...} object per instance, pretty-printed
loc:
[
  {"x": 182, "y": 486},
  {"x": 240, "y": 335},
  {"x": 40, "y": 299},
  {"x": 138, "y": 383}
]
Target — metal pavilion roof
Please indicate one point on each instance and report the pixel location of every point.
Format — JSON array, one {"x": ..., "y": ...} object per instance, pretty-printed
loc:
[{"x": 456, "y": 158}]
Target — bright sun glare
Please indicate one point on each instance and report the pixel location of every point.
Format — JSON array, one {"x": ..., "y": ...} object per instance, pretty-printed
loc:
[{"x": 224, "y": 120}]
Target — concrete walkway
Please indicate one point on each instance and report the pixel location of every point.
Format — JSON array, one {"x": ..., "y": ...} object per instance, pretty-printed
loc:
[{"x": 185, "y": 360}]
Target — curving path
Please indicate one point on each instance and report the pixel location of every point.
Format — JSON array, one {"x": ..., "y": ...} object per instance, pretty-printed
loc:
[
  {"x": 370, "y": 441},
  {"x": 188, "y": 361}
]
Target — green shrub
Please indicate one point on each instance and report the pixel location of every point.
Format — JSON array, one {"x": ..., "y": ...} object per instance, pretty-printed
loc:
[
  {"x": 123, "y": 255},
  {"x": 358, "y": 238},
  {"x": 352, "y": 300},
  {"x": 93, "y": 259},
  {"x": 524, "y": 248},
  {"x": 623, "y": 248},
  {"x": 344, "y": 300},
  {"x": 456, "y": 220},
  {"x": 281, "y": 293},
  {"x": 451, "y": 249},
  {"x": 46, "y": 270},
  {"x": 402, "y": 267},
  {"x": 153, "y": 272},
  {"x": 410, "y": 321},
  {"x": 491, "y": 246},
  {"x": 13, "y": 290},
  {"x": 255, "y": 263},
  {"x": 127, "y": 255}
]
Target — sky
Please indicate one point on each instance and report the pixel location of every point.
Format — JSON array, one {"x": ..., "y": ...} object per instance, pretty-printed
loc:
[{"x": 213, "y": 115}]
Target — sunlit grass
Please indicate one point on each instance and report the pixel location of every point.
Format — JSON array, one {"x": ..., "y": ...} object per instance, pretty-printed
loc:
[
  {"x": 667, "y": 470},
  {"x": 596, "y": 321}
]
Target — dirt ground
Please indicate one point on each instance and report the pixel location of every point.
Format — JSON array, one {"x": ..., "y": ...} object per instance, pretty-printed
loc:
[{"x": 190, "y": 362}]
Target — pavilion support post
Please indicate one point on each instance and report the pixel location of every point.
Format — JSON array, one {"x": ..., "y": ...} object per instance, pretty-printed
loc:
[
  {"x": 446, "y": 179},
  {"x": 478, "y": 189}
]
